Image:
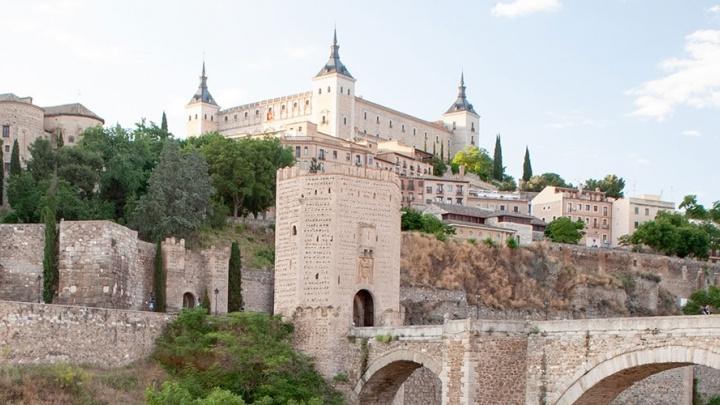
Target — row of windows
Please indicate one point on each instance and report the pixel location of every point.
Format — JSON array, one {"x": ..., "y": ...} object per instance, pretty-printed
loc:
[
  {"x": 647, "y": 211},
  {"x": 579, "y": 207},
  {"x": 342, "y": 90},
  {"x": 305, "y": 152}
]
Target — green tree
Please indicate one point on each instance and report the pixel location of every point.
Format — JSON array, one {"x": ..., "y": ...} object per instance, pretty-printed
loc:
[
  {"x": 163, "y": 123},
  {"x": 235, "y": 298},
  {"x": 159, "y": 279},
  {"x": 178, "y": 201},
  {"x": 50, "y": 270},
  {"x": 611, "y": 185},
  {"x": 692, "y": 208},
  {"x": 498, "y": 169},
  {"x": 439, "y": 166},
  {"x": 538, "y": 183},
  {"x": 527, "y": 167},
  {"x": 24, "y": 196},
  {"x": 699, "y": 298},
  {"x": 671, "y": 234},
  {"x": 15, "y": 167},
  {"x": 59, "y": 141},
  {"x": 475, "y": 160},
  {"x": 565, "y": 230},
  {"x": 414, "y": 220},
  {"x": 507, "y": 184}
]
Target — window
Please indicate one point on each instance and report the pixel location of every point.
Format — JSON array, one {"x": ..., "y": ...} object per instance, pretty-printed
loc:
[
  {"x": 595, "y": 223},
  {"x": 294, "y": 230},
  {"x": 579, "y": 207},
  {"x": 377, "y": 119},
  {"x": 328, "y": 89},
  {"x": 604, "y": 238},
  {"x": 515, "y": 209},
  {"x": 246, "y": 114},
  {"x": 428, "y": 189},
  {"x": 341, "y": 89},
  {"x": 453, "y": 125},
  {"x": 636, "y": 224},
  {"x": 282, "y": 107},
  {"x": 605, "y": 211},
  {"x": 205, "y": 117},
  {"x": 365, "y": 115},
  {"x": 344, "y": 120},
  {"x": 226, "y": 118},
  {"x": 257, "y": 112},
  {"x": 348, "y": 92},
  {"x": 335, "y": 154},
  {"x": 323, "y": 119},
  {"x": 319, "y": 91},
  {"x": 195, "y": 116},
  {"x": 569, "y": 207},
  {"x": 305, "y": 151},
  {"x": 357, "y": 160},
  {"x": 189, "y": 119},
  {"x": 502, "y": 207},
  {"x": 321, "y": 154},
  {"x": 637, "y": 210},
  {"x": 587, "y": 207},
  {"x": 71, "y": 139},
  {"x": 235, "y": 117},
  {"x": 647, "y": 212},
  {"x": 605, "y": 221},
  {"x": 297, "y": 151},
  {"x": 307, "y": 103},
  {"x": 472, "y": 127},
  {"x": 390, "y": 123},
  {"x": 595, "y": 208},
  {"x": 414, "y": 131},
  {"x": 402, "y": 127},
  {"x": 7, "y": 148}
]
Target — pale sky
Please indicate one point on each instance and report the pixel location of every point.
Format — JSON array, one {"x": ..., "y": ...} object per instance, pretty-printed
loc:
[{"x": 630, "y": 87}]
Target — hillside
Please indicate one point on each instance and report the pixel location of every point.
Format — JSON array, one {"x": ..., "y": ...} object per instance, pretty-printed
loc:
[{"x": 527, "y": 281}]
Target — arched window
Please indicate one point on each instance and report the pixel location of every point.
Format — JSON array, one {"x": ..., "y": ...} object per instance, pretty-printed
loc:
[
  {"x": 377, "y": 119},
  {"x": 188, "y": 300},
  {"x": 344, "y": 120},
  {"x": 246, "y": 114},
  {"x": 363, "y": 309},
  {"x": 323, "y": 119},
  {"x": 226, "y": 118},
  {"x": 294, "y": 230}
]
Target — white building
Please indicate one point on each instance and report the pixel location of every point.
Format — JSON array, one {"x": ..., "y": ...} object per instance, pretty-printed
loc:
[{"x": 630, "y": 213}]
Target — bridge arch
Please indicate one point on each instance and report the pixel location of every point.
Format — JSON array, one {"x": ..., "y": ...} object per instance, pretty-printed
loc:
[
  {"x": 602, "y": 383},
  {"x": 385, "y": 375}
]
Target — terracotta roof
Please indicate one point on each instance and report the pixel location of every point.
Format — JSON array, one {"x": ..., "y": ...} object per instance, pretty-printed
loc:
[{"x": 71, "y": 109}]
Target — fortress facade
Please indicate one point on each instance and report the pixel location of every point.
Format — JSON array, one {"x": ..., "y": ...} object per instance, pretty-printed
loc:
[{"x": 331, "y": 107}]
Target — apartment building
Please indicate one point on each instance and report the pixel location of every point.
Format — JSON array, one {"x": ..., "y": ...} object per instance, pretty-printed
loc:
[{"x": 630, "y": 213}]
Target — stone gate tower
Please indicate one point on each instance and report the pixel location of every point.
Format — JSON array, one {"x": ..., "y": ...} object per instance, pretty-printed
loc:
[{"x": 337, "y": 243}]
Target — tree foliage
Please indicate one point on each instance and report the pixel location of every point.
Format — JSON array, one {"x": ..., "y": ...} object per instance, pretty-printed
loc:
[
  {"x": 50, "y": 269},
  {"x": 163, "y": 123},
  {"x": 246, "y": 354},
  {"x": 413, "y": 220},
  {"x": 159, "y": 279},
  {"x": 15, "y": 167},
  {"x": 439, "y": 166},
  {"x": 498, "y": 169},
  {"x": 538, "y": 183},
  {"x": 178, "y": 199},
  {"x": 611, "y": 185},
  {"x": 2, "y": 174},
  {"x": 475, "y": 160},
  {"x": 235, "y": 298},
  {"x": 565, "y": 230},
  {"x": 243, "y": 171},
  {"x": 671, "y": 234},
  {"x": 699, "y": 298},
  {"x": 695, "y": 210},
  {"x": 527, "y": 166}
]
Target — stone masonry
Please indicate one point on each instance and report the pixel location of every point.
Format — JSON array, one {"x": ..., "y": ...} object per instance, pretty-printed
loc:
[
  {"x": 21, "y": 255},
  {"x": 41, "y": 334}
]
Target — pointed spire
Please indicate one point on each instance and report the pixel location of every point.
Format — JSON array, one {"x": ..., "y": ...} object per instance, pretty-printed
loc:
[
  {"x": 461, "y": 104},
  {"x": 333, "y": 64},
  {"x": 202, "y": 95}
]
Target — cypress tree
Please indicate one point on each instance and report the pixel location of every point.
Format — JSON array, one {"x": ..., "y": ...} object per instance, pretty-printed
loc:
[
  {"x": 235, "y": 298},
  {"x": 527, "y": 167},
  {"x": 159, "y": 280},
  {"x": 50, "y": 271},
  {"x": 15, "y": 168},
  {"x": 163, "y": 123},
  {"x": 442, "y": 150},
  {"x": 60, "y": 141},
  {"x": 205, "y": 301},
  {"x": 498, "y": 169}
]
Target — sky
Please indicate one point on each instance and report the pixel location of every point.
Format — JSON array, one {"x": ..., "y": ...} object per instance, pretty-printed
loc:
[{"x": 629, "y": 87}]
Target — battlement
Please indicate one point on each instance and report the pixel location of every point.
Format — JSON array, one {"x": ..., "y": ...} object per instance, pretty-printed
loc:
[{"x": 341, "y": 170}]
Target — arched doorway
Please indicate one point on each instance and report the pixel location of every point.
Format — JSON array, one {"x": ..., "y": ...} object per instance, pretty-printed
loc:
[
  {"x": 188, "y": 300},
  {"x": 606, "y": 380},
  {"x": 363, "y": 309},
  {"x": 385, "y": 376}
]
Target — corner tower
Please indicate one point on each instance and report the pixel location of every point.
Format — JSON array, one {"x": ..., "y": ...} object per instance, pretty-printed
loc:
[
  {"x": 337, "y": 244},
  {"x": 201, "y": 110},
  {"x": 334, "y": 97},
  {"x": 462, "y": 120}
]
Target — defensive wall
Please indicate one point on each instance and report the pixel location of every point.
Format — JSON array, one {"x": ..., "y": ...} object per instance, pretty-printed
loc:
[{"x": 32, "y": 333}]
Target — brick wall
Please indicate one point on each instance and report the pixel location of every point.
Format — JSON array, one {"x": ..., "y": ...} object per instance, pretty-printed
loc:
[
  {"x": 21, "y": 255},
  {"x": 41, "y": 334}
]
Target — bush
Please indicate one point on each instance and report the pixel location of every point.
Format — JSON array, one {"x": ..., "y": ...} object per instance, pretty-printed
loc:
[
  {"x": 565, "y": 230},
  {"x": 489, "y": 242},
  {"x": 413, "y": 220},
  {"x": 249, "y": 355},
  {"x": 512, "y": 243}
]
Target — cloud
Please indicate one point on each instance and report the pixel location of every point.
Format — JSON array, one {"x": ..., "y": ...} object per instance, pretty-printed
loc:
[
  {"x": 691, "y": 132},
  {"x": 573, "y": 119},
  {"x": 693, "y": 81},
  {"x": 640, "y": 160},
  {"x": 519, "y": 8},
  {"x": 714, "y": 9}
]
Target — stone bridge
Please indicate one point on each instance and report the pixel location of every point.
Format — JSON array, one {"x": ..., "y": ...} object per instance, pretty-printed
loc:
[{"x": 516, "y": 362}]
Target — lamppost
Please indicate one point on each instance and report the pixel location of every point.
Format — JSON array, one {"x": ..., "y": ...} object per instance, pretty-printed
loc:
[{"x": 216, "y": 295}]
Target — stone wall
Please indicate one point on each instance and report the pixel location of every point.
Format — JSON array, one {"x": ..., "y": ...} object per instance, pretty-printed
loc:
[
  {"x": 21, "y": 255},
  {"x": 257, "y": 289},
  {"x": 40, "y": 334},
  {"x": 671, "y": 387},
  {"x": 99, "y": 266}
]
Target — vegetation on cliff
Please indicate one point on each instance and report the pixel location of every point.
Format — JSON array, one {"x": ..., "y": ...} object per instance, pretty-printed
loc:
[
  {"x": 565, "y": 230},
  {"x": 239, "y": 357},
  {"x": 413, "y": 220},
  {"x": 523, "y": 279}
]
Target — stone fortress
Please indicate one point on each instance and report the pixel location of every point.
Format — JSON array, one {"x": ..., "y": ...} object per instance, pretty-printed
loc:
[
  {"x": 26, "y": 122},
  {"x": 332, "y": 108}
]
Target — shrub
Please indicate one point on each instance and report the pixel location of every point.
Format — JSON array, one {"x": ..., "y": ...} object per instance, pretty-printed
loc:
[
  {"x": 489, "y": 242},
  {"x": 384, "y": 338},
  {"x": 512, "y": 243}
]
